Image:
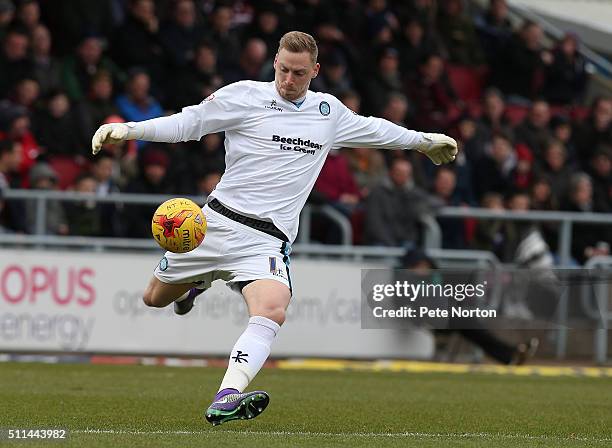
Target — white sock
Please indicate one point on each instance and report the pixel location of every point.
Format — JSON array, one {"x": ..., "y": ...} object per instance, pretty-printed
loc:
[{"x": 249, "y": 353}]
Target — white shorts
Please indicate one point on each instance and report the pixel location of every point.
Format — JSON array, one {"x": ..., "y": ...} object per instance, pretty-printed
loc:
[{"x": 231, "y": 251}]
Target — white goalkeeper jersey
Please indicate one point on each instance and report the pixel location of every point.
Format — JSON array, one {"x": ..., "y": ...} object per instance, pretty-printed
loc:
[{"x": 274, "y": 148}]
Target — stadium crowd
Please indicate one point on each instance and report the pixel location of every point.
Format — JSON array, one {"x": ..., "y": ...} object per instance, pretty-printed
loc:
[{"x": 514, "y": 103}]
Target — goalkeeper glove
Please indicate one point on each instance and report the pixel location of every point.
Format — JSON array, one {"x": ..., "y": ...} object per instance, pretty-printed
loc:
[
  {"x": 439, "y": 148},
  {"x": 109, "y": 133}
]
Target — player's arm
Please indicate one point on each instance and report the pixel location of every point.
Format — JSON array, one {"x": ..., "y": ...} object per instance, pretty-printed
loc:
[
  {"x": 356, "y": 131},
  {"x": 224, "y": 110}
]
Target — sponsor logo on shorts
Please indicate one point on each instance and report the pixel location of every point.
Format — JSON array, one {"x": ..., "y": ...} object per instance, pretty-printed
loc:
[
  {"x": 324, "y": 108},
  {"x": 297, "y": 144},
  {"x": 277, "y": 268},
  {"x": 163, "y": 264}
]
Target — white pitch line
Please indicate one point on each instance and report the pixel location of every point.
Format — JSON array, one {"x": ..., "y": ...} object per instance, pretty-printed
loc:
[{"x": 400, "y": 435}]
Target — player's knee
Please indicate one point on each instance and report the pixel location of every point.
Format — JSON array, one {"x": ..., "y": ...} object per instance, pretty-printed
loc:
[
  {"x": 277, "y": 314},
  {"x": 149, "y": 298}
]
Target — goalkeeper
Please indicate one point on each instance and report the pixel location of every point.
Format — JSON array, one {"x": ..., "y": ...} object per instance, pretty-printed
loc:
[{"x": 277, "y": 136}]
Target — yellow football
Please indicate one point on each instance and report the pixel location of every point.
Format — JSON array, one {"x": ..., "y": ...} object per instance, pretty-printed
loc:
[{"x": 178, "y": 225}]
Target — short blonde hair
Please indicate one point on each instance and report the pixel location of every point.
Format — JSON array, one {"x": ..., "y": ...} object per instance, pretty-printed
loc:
[{"x": 298, "y": 42}]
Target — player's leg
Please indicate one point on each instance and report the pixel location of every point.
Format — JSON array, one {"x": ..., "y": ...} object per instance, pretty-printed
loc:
[
  {"x": 267, "y": 301},
  {"x": 159, "y": 294}
]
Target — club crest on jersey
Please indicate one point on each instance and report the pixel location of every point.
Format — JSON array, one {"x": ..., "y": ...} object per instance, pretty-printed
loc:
[
  {"x": 273, "y": 106},
  {"x": 324, "y": 108}
]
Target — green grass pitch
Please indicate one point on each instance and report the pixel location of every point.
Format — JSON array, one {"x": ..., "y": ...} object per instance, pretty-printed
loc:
[{"x": 146, "y": 406}]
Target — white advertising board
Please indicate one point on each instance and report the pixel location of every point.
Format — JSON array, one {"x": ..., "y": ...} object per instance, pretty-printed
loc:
[{"x": 91, "y": 302}]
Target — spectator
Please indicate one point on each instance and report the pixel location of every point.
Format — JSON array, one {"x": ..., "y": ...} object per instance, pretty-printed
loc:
[
  {"x": 69, "y": 19},
  {"x": 136, "y": 104},
  {"x": 394, "y": 207},
  {"x": 250, "y": 64},
  {"x": 588, "y": 240},
  {"x": 416, "y": 44},
  {"x": 26, "y": 95},
  {"x": 10, "y": 215},
  {"x": 472, "y": 141},
  {"x": 336, "y": 184},
  {"x": 496, "y": 169},
  {"x": 47, "y": 70},
  {"x": 368, "y": 168},
  {"x": 595, "y": 131},
  {"x": 601, "y": 176},
  {"x": 566, "y": 76},
  {"x": 96, "y": 105},
  {"x": 42, "y": 177},
  {"x": 137, "y": 42},
  {"x": 28, "y": 14},
  {"x": 436, "y": 103},
  {"x": 181, "y": 33},
  {"x": 555, "y": 167},
  {"x": 396, "y": 111},
  {"x": 14, "y": 60},
  {"x": 334, "y": 77},
  {"x": 84, "y": 217},
  {"x": 519, "y": 72},
  {"x": 458, "y": 34},
  {"x": 493, "y": 117},
  {"x": 488, "y": 234},
  {"x": 423, "y": 10},
  {"x": 525, "y": 245},
  {"x": 104, "y": 173},
  {"x": 17, "y": 125},
  {"x": 54, "y": 127},
  {"x": 444, "y": 188},
  {"x": 266, "y": 27},
  {"x": 562, "y": 130},
  {"x": 494, "y": 29},
  {"x": 352, "y": 100},
  {"x": 224, "y": 37},
  {"x": 421, "y": 266},
  {"x": 381, "y": 25},
  {"x": 198, "y": 80},
  {"x": 80, "y": 70},
  {"x": 534, "y": 131},
  {"x": 153, "y": 180},
  {"x": 385, "y": 80},
  {"x": 523, "y": 173},
  {"x": 542, "y": 198},
  {"x": 124, "y": 154},
  {"x": 7, "y": 13}
]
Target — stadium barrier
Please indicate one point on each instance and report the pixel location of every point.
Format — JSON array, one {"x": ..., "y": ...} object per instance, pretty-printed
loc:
[
  {"x": 386, "y": 256},
  {"x": 79, "y": 301},
  {"x": 601, "y": 309}
]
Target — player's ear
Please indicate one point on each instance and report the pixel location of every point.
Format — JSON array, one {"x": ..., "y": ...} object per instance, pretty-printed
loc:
[{"x": 316, "y": 70}]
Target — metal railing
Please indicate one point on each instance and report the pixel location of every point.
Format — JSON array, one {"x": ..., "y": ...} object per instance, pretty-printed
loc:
[
  {"x": 43, "y": 196},
  {"x": 565, "y": 219},
  {"x": 432, "y": 237}
]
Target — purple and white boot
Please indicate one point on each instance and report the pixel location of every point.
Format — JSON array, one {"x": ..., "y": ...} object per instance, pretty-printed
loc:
[{"x": 229, "y": 404}]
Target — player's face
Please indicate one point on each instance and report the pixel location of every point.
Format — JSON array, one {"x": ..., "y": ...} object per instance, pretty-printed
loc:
[{"x": 293, "y": 73}]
